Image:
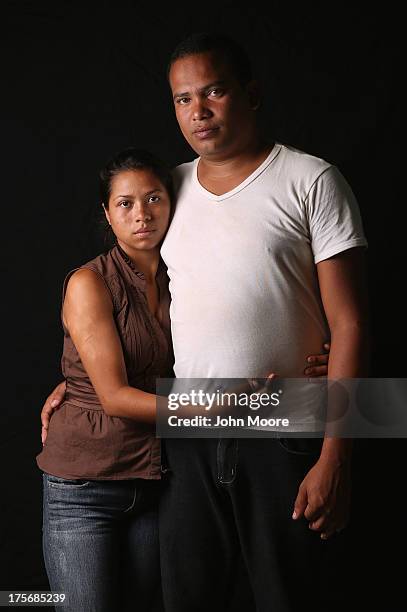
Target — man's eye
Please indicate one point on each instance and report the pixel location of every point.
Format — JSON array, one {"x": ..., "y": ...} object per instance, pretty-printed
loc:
[
  {"x": 125, "y": 204},
  {"x": 153, "y": 199},
  {"x": 215, "y": 92},
  {"x": 182, "y": 100}
]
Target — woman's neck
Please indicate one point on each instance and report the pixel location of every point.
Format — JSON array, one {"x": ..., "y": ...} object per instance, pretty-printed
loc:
[{"x": 146, "y": 261}]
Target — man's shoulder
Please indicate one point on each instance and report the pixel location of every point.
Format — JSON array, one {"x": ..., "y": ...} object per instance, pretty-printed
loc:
[
  {"x": 302, "y": 163},
  {"x": 183, "y": 170},
  {"x": 181, "y": 174}
]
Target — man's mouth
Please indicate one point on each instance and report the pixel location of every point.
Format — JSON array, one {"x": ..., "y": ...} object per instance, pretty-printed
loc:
[{"x": 203, "y": 133}]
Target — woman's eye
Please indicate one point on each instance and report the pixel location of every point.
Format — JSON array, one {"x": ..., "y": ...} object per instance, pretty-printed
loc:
[
  {"x": 124, "y": 204},
  {"x": 153, "y": 199}
]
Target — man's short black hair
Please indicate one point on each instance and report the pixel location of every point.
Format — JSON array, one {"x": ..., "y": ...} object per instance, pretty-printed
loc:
[{"x": 223, "y": 46}]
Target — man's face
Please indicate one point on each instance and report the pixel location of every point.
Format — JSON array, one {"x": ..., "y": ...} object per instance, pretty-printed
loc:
[{"x": 212, "y": 108}]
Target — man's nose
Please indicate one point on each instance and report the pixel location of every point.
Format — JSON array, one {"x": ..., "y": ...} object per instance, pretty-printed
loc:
[{"x": 200, "y": 109}]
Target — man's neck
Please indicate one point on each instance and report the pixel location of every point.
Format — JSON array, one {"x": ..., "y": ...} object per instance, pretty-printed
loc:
[
  {"x": 227, "y": 163},
  {"x": 222, "y": 174}
]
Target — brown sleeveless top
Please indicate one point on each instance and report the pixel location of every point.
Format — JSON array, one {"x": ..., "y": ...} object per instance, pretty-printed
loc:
[{"x": 83, "y": 441}]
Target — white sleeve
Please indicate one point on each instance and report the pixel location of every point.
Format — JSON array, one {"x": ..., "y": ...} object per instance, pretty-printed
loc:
[{"x": 334, "y": 219}]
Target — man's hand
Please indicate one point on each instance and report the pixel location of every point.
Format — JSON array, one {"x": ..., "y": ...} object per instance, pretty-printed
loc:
[
  {"x": 324, "y": 497},
  {"x": 52, "y": 402},
  {"x": 317, "y": 365}
]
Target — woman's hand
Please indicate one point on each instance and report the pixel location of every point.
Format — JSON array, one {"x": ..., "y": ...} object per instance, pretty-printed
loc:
[
  {"x": 317, "y": 365},
  {"x": 51, "y": 404},
  {"x": 263, "y": 384}
]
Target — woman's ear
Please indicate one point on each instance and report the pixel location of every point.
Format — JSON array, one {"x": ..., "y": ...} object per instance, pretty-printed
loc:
[
  {"x": 106, "y": 213},
  {"x": 253, "y": 92}
]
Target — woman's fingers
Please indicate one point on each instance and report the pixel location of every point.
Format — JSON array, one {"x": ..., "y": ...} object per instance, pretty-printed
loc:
[
  {"x": 317, "y": 365},
  {"x": 316, "y": 370}
]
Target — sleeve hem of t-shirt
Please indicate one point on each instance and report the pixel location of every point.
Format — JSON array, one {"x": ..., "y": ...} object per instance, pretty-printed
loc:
[{"x": 338, "y": 248}]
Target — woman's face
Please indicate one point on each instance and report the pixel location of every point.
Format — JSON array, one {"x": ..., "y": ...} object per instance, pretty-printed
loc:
[{"x": 138, "y": 210}]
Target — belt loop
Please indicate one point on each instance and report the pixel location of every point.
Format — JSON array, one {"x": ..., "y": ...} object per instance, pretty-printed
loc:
[{"x": 227, "y": 456}]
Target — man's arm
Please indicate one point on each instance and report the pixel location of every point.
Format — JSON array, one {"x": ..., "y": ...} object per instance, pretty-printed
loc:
[{"x": 324, "y": 494}]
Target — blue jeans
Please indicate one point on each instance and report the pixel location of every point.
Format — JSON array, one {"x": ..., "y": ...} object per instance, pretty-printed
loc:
[{"x": 100, "y": 541}]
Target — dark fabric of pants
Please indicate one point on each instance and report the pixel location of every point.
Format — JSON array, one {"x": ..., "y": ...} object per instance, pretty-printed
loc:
[
  {"x": 225, "y": 498},
  {"x": 100, "y": 541}
]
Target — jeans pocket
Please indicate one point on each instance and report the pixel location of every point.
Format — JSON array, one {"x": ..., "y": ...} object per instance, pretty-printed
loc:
[
  {"x": 302, "y": 446},
  {"x": 55, "y": 482}
]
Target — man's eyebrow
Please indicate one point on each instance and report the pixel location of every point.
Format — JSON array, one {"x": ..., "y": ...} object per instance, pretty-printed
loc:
[
  {"x": 122, "y": 196},
  {"x": 201, "y": 90}
]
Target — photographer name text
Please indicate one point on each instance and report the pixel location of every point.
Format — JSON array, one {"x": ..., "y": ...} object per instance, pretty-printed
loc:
[{"x": 229, "y": 421}]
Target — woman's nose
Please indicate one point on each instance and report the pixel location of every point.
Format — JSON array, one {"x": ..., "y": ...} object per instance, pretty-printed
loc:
[{"x": 142, "y": 213}]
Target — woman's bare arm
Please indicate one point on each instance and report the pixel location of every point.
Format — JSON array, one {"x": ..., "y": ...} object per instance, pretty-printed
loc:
[{"x": 88, "y": 315}]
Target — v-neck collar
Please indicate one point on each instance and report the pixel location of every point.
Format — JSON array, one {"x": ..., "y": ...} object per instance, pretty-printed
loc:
[{"x": 224, "y": 196}]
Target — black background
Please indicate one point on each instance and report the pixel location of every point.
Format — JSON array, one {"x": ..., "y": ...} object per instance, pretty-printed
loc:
[{"x": 80, "y": 81}]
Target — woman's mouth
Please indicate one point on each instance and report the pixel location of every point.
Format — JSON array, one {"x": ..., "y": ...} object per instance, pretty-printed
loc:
[{"x": 143, "y": 233}]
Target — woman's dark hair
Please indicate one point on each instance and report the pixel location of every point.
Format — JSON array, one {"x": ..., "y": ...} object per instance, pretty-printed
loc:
[
  {"x": 133, "y": 159},
  {"x": 224, "y": 47}
]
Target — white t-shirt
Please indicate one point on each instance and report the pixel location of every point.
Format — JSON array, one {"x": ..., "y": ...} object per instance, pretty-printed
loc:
[{"x": 245, "y": 294}]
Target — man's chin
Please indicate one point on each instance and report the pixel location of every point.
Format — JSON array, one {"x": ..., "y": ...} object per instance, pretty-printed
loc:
[{"x": 206, "y": 148}]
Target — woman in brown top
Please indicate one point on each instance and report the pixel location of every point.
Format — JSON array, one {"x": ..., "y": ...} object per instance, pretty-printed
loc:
[{"x": 101, "y": 460}]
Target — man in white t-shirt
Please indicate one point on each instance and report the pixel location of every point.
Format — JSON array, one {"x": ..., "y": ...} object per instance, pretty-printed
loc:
[
  {"x": 265, "y": 262},
  {"x": 243, "y": 279},
  {"x": 265, "y": 258}
]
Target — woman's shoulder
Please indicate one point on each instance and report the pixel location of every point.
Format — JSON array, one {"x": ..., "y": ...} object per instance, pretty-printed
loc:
[
  {"x": 91, "y": 276},
  {"x": 104, "y": 264},
  {"x": 88, "y": 289}
]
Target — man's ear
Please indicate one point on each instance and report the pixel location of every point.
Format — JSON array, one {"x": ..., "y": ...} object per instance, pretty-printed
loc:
[
  {"x": 106, "y": 213},
  {"x": 253, "y": 91}
]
